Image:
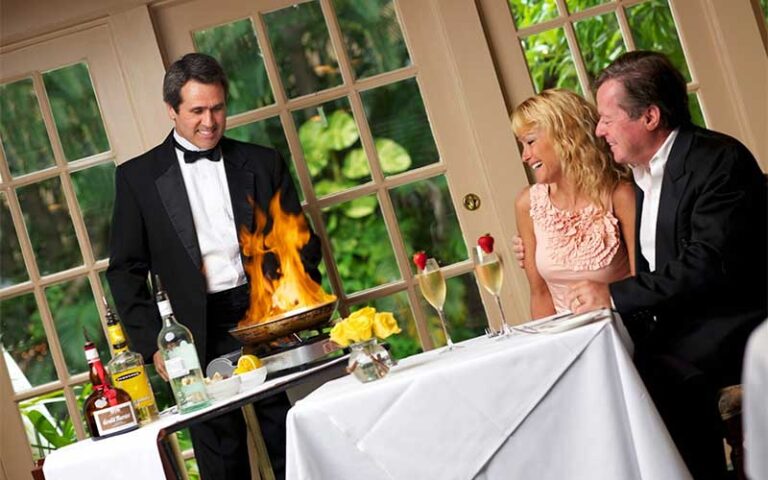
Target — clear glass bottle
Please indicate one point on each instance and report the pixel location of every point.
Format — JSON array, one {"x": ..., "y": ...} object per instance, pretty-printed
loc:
[
  {"x": 127, "y": 371},
  {"x": 181, "y": 362},
  {"x": 108, "y": 410}
]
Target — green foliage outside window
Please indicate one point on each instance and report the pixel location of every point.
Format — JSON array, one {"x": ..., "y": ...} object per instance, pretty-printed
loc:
[{"x": 549, "y": 56}]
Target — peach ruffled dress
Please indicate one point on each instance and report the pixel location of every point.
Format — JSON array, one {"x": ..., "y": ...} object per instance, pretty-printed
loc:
[{"x": 572, "y": 246}]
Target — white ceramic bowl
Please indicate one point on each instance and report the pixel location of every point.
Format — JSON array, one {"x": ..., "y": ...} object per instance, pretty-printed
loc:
[
  {"x": 223, "y": 388},
  {"x": 252, "y": 379}
]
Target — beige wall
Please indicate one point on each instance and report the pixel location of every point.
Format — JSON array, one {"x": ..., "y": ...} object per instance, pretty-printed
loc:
[{"x": 24, "y": 19}]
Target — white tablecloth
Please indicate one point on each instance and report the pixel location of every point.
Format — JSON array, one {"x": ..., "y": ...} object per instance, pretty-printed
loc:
[
  {"x": 135, "y": 455},
  {"x": 755, "y": 411},
  {"x": 569, "y": 405}
]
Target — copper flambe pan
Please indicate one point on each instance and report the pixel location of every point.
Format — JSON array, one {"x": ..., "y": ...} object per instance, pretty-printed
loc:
[{"x": 297, "y": 320}]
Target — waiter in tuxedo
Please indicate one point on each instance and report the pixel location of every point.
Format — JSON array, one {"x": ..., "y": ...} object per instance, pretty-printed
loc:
[
  {"x": 178, "y": 210},
  {"x": 700, "y": 287}
]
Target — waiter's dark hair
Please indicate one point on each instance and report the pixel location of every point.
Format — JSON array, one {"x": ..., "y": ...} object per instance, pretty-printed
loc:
[
  {"x": 649, "y": 78},
  {"x": 192, "y": 66}
]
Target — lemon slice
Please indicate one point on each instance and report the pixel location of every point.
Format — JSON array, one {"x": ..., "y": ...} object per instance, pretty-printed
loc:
[{"x": 246, "y": 363}]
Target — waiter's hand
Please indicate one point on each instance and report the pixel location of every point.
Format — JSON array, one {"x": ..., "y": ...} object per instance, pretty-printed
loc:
[
  {"x": 157, "y": 359},
  {"x": 587, "y": 295},
  {"x": 519, "y": 250}
]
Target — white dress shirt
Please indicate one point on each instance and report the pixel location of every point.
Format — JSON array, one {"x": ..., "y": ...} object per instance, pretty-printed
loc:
[
  {"x": 208, "y": 193},
  {"x": 649, "y": 179}
]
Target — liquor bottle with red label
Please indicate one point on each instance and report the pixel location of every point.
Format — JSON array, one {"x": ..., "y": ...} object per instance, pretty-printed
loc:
[{"x": 108, "y": 410}]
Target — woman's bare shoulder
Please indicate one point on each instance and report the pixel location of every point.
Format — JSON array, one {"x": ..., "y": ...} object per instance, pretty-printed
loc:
[{"x": 623, "y": 194}]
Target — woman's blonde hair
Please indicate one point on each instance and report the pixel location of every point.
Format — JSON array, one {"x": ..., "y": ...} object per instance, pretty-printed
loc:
[{"x": 569, "y": 121}]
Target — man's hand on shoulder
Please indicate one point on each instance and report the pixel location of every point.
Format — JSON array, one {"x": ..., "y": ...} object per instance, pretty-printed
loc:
[{"x": 519, "y": 250}]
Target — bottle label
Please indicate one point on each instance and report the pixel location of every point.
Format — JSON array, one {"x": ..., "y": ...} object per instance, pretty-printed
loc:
[
  {"x": 116, "y": 336},
  {"x": 115, "y": 419},
  {"x": 135, "y": 382},
  {"x": 181, "y": 360},
  {"x": 165, "y": 308},
  {"x": 91, "y": 354}
]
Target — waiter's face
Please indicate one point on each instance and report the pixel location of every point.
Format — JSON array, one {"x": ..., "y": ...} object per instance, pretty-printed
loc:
[{"x": 202, "y": 115}]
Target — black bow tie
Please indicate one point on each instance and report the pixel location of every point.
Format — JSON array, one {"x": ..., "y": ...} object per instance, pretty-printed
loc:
[{"x": 191, "y": 156}]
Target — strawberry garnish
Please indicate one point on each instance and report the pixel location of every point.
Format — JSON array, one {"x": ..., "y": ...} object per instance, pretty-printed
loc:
[
  {"x": 420, "y": 259},
  {"x": 486, "y": 243}
]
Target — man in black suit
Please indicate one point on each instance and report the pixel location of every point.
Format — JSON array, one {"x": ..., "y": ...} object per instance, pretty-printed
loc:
[
  {"x": 178, "y": 211},
  {"x": 700, "y": 287}
]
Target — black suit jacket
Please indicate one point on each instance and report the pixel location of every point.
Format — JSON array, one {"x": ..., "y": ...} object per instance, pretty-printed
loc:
[
  {"x": 709, "y": 287},
  {"x": 153, "y": 230}
]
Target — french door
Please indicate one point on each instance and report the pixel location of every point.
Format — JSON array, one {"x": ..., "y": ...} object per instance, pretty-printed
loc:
[{"x": 65, "y": 120}]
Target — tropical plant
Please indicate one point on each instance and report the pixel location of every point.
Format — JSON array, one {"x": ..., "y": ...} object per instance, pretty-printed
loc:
[{"x": 48, "y": 431}]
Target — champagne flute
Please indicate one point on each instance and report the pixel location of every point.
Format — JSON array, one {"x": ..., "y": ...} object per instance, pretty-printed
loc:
[
  {"x": 432, "y": 285},
  {"x": 491, "y": 276}
]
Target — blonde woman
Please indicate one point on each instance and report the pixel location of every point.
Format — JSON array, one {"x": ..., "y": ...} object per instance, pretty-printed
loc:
[{"x": 579, "y": 216}]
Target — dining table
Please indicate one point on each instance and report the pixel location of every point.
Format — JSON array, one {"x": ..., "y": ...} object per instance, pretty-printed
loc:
[{"x": 545, "y": 402}]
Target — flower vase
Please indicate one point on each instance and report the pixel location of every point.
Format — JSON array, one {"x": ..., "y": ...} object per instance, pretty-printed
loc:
[{"x": 369, "y": 361}]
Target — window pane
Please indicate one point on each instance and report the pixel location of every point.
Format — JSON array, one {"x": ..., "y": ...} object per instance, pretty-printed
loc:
[
  {"x": 302, "y": 47},
  {"x": 95, "y": 190},
  {"x": 73, "y": 310},
  {"x": 331, "y": 145},
  {"x": 653, "y": 28},
  {"x": 530, "y": 12},
  {"x": 400, "y": 127},
  {"x": 48, "y": 422},
  {"x": 360, "y": 244},
  {"x": 405, "y": 343},
  {"x": 372, "y": 36},
  {"x": 579, "y": 5},
  {"x": 764, "y": 6},
  {"x": 25, "y": 141},
  {"x": 50, "y": 228},
  {"x": 235, "y": 46},
  {"x": 600, "y": 42},
  {"x": 76, "y": 111},
  {"x": 550, "y": 62},
  {"x": 464, "y": 311},
  {"x": 12, "y": 268},
  {"x": 23, "y": 337},
  {"x": 428, "y": 221},
  {"x": 697, "y": 116},
  {"x": 268, "y": 133}
]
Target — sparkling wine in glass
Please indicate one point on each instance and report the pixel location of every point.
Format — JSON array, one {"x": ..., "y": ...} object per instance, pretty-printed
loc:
[
  {"x": 490, "y": 275},
  {"x": 432, "y": 285}
]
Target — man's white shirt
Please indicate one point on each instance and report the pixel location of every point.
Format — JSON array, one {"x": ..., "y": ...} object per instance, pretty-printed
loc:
[
  {"x": 208, "y": 193},
  {"x": 649, "y": 179}
]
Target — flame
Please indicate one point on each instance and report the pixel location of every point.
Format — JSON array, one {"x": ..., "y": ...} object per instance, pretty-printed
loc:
[{"x": 290, "y": 287}]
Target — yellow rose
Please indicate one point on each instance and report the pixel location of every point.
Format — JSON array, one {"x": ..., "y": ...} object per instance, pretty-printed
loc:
[
  {"x": 367, "y": 312},
  {"x": 339, "y": 334},
  {"x": 384, "y": 325},
  {"x": 359, "y": 324}
]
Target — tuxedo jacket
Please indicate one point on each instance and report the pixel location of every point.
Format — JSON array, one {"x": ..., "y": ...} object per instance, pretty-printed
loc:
[
  {"x": 709, "y": 287},
  {"x": 153, "y": 231}
]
